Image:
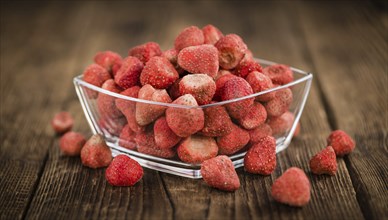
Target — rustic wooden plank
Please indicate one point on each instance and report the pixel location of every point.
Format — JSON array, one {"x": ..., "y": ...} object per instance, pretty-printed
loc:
[
  {"x": 68, "y": 190},
  {"x": 74, "y": 191},
  {"x": 272, "y": 33},
  {"x": 349, "y": 49},
  {"x": 30, "y": 45},
  {"x": 18, "y": 180}
]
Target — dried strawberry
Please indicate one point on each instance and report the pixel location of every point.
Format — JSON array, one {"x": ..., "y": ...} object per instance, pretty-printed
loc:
[
  {"x": 279, "y": 74},
  {"x": 280, "y": 103},
  {"x": 147, "y": 113},
  {"x": 62, "y": 122},
  {"x": 106, "y": 103},
  {"x": 190, "y": 36},
  {"x": 110, "y": 60},
  {"x": 71, "y": 143},
  {"x": 129, "y": 72},
  {"x": 236, "y": 88},
  {"x": 231, "y": 50},
  {"x": 219, "y": 173},
  {"x": 185, "y": 121},
  {"x": 247, "y": 66},
  {"x": 217, "y": 122},
  {"x": 199, "y": 59},
  {"x": 234, "y": 141},
  {"x": 261, "y": 157},
  {"x": 164, "y": 136},
  {"x": 256, "y": 115},
  {"x": 282, "y": 124},
  {"x": 128, "y": 107},
  {"x": 123, "y": 171},
  {"x": 95, "y": 153},
  {"x": 201, "y": 86},
  {"x": 324, "y": 162},
  {"x": 145, "y": 51},
  {"x": 127, "y": 138},
  {"x": 259, "y": 132},
  {"x": 292, "y": 188},
  {"x": 159, "y": 73},
  {"x": 196, "y": 149},
  {"x": 341, "y": 142},
  {"x": 260, "y": 82},
  {"x": 211, "y": 34}
]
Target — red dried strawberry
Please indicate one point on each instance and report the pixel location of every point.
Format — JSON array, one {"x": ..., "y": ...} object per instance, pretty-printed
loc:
[
  {"x": 282, "y": 124},
  {"x": 260, "y": 82},
  {"x": 123, "y": 171},
  {"x": 261, "y": 157},
  {"x": 280, "y": 103},
  {"x": 259, "y": 132},
  {"x": 145, "y": 51},
  {"x": 231, "y": 50},
  {"x": 129, "y": 72},
  {"x": 185, "y": 121},
  {"x": 211, "y": 34},
  {"x": 219, "y": 173},
  {"x": 341, "y": 142},
  {"x": 199, "y": 59},
  {"x": 159, "y": 73},
  {"x": 164, "y": 136},
  {"x": 106, "y": 103},
  {"x": 279, "y": 74},
  {"x": 128, "y": 108},
  {"x": 247, "y": 66},
  {"x": 96, "y": 75},
  {"x": 62, "y": 122},
  {"x": 157, "y": 152},
  {"x": 190, "y": 36},
  {"x": 71, "y": 143},
  {"x": 217, "y": 122},
  {"x": 146, "y": 144},
  {"x": 220, "y": 84},
  {"x": 95, "y": 153},
  {"x": 256, "y": 115},
  {"x": 147, "y": 113},
  {"x": 236, "y": 88},
  {"x": 111, "y": 61},
  {"x": 324, "y": 162},
  {"x": 127, "y": 138},
  {"x": 234, "y": 141}
]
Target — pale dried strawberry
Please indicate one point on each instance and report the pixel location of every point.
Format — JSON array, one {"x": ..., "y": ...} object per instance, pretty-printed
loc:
[{"x": 292, "y": 188}]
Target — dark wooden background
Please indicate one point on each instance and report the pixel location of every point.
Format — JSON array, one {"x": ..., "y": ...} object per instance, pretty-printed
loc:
[{"x": 45, "y": 44}]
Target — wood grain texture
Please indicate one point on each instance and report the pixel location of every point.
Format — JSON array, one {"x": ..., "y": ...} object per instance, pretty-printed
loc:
[
  {"x": 75, "y": 191},
  {"x": 349, "y": 49},
  {"x": 60, "y": 40},
  {"x": 18, "y": 180},
  {"x": 27, "y": 103},
  {"x": 252, "y": 201}
]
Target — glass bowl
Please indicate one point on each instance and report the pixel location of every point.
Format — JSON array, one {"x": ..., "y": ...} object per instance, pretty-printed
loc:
[{"x": 110, "y": 127}]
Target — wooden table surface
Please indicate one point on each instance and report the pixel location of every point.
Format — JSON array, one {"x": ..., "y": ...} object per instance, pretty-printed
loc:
[{"x": 44, "y": 45}]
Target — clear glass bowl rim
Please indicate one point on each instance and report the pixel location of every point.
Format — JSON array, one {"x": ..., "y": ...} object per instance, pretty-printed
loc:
[{"x": 306, "y": 76}]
